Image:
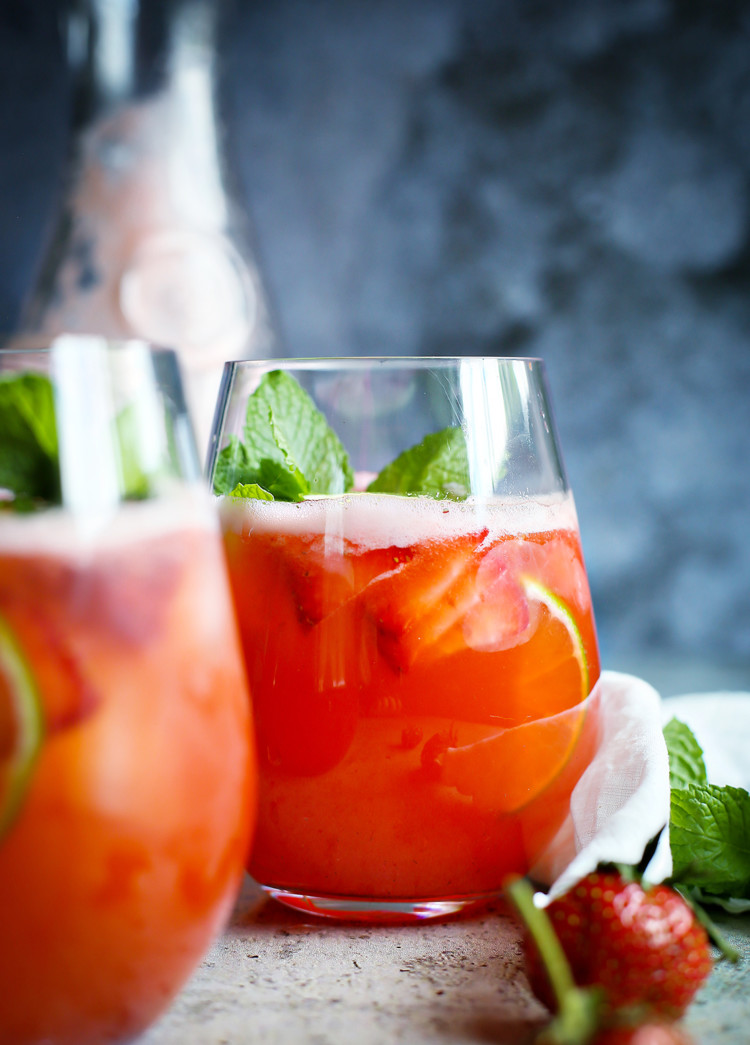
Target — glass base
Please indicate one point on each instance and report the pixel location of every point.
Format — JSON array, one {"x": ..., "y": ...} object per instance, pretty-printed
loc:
[{"x": 394, "y": 912}]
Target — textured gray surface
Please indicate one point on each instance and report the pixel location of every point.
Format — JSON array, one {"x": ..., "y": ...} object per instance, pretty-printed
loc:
[{"x": 277, "y": 979}]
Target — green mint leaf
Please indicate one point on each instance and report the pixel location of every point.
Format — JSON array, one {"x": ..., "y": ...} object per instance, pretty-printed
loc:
[
  {"x": 29, "y": 465},
  {"x": 686, "y": 765},
  {"x": 251, "y": 491},
  {"x": 135, "y": 481},
  {"x": 233, "y": 467},
  {"x": 281, "y": 478},
  {"x": 284, "y": 425},
  {"x": 438, "y": 467},
  {"x": 710, "y": 839}
]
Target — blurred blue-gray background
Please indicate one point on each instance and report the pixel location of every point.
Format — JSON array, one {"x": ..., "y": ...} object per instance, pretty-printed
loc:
[{"x": 565, "y": 180}]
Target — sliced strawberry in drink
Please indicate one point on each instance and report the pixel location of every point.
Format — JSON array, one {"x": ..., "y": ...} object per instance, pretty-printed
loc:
[
  {"x": 500, "y": 613},
  {"x": 326, "y": 571},
  {"x": 555, "y": 559},
  {"x": 31, "y": 592},
  {"x": 452, "y": 594},
  {"x": 66, "y": 694},
  {"x": 415, "y": 605}
]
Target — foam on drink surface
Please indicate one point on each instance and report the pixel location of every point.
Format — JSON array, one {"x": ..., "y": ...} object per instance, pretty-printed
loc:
[
  {"x": 59, "y": 532},
  {"x": 379, "y": 520}
]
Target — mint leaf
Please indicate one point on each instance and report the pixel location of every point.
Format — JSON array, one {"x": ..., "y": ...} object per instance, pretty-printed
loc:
[
  {"x": 686, "y": 765},
  {"x": 251, "y": 491},
  {"x": 232, "y": 467},
  {"x": 282, "y": 479},
  {"x": 236, "y": 467},
  {"x": 438, "y": 467},
  {"x": 710, "y": 839},
  {"x": 284, "y": 425},
  {"x": 135, "y": 482},
  {"x": 29, "y": 465}
]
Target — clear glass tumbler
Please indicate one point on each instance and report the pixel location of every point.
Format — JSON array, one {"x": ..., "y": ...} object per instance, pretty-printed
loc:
[
  {"x": 127, "y": 769},
  {"x": 416, "y": 622}
]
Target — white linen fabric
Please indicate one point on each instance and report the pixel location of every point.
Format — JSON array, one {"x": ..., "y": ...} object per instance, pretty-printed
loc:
[{"x": 622, "y": 800}]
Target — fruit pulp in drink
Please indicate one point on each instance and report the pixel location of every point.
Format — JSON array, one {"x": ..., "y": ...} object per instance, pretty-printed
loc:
[
  {"x": 127, "y": 769},
  {"x": 421, "y": 675}
]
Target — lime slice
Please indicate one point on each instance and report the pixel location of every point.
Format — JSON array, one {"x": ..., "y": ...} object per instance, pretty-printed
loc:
[
  {"x": 506, "y": 771},
  {"x": 21, "y": 726},
  {"x": 559, "y": 611}
]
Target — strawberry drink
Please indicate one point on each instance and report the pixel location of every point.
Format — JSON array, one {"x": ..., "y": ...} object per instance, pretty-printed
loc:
[
  {"x": 127, "y": 783},
  {"x": 127, "y": 714},
  {"x": 421, "y": 668}
]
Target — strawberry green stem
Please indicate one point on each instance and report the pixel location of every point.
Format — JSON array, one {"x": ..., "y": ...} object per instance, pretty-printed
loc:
[{"x": 578, "y": 1009}]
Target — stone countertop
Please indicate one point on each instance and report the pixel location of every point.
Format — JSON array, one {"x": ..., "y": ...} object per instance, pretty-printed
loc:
[{"x": 278, "y": 977}]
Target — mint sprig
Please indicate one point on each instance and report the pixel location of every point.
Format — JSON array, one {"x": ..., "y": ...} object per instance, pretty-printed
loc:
[
  {"x": 436, "y": 467},
  {"x": 283, "y": 425},
  {"x": 709, "y": 830},
  {"x": 29, "y": 465},
  {"x": 288, "y": 448},
  {"x": 29, "y": 450},
  {"x": 710, "y": 839},
  {"x": 686, "y": 765}
]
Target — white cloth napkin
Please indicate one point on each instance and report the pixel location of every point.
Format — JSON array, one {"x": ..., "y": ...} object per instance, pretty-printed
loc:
[{"x": 622, "y": 799}]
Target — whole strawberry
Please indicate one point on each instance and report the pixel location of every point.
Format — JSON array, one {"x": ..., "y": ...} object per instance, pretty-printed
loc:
[
  {"x": 641, "y": 944},
  {"x": 645, "y": 1034}
]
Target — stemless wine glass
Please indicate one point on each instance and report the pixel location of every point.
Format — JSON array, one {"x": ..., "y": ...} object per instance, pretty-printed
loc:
[
  {"x": 416, "y": 623},
  {"x": 127, "y": 772}
]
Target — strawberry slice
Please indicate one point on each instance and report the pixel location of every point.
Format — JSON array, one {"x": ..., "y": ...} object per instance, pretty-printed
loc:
[
  {"x": 450, "y": 595},
  {"x": 499, "y": 613},
  {"x": 66, "y": 694},
  {"x": 31, "y": 594},
  {"x": 325, "y": 572}
]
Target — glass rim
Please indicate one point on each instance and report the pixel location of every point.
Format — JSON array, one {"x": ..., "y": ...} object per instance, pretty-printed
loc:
[{"x": 361, "y": 362}]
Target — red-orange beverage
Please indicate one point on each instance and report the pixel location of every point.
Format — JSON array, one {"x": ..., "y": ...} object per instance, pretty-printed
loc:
[
  {"x": 420, "y": 672},
  {"x": 126, "y": 770}
]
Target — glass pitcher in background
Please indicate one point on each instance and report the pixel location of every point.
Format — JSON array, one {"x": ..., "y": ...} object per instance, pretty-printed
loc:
[{"x": 150, "y": 241}]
